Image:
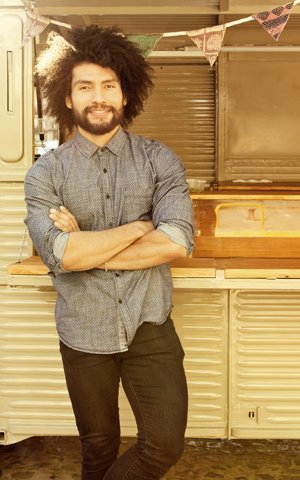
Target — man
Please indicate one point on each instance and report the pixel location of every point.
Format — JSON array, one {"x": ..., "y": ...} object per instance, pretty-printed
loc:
[{"x": 107, "y": 211}]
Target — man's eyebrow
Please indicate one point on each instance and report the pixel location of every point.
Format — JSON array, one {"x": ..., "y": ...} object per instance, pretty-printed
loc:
[
  {"x": 81, "y": 81},
  {"x": 109, "y": 80}
]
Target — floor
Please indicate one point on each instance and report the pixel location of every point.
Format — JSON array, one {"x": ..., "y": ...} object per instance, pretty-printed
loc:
[{"x": 58, "y": 458}]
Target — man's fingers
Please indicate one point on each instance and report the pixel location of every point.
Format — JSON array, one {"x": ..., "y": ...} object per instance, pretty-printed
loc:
[
  {"x": 63, "y": 219},
  {"x": 66, "y": 212}
]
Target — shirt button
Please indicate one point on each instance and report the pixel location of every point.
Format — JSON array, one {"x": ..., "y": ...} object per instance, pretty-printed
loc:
[
  {"x": 105, "y": 170},
  {"x": 117, "y": 275},
  {"x": 110, "y": 224},
  {"x": 107, "y": 196},
  {"x": 120, "y": 301}
]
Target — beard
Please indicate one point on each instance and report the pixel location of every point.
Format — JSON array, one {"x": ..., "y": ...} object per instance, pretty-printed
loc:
[{"x": 100, "y": 126}]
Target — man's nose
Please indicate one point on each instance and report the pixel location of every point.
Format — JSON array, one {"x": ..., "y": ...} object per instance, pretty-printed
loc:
[{"x": 98, "y": 95}]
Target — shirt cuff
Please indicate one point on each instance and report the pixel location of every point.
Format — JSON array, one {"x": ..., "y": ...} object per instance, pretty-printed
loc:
[
  {"x": 175, "y": 235},
  {"x": 60, "y": 244}
]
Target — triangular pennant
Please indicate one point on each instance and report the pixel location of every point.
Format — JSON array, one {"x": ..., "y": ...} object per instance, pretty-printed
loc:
[
  {"x": 275, "y": 20},
  {"x": 146, "y": 42},
  {"x": 33, "y": 26},
  {"x": 209, "y": 41}
]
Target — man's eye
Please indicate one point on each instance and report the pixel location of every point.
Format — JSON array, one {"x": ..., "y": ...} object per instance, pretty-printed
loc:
[
  {"x": 83, "y": 87},
  {"x": 110, "y": 85}
]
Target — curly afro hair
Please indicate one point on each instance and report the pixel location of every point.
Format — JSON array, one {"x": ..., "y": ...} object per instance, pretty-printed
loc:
[{"x": 107, "y": 47}]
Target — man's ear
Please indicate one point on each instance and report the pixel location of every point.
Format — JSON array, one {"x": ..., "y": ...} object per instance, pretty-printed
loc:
[
  {"x": 124, "y": 101},
  {"x": 68, "y": 102}
]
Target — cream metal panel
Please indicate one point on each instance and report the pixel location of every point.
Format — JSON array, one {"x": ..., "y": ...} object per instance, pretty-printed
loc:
[
  {"x": 201, "y": 318},
  {"x": 33, "y": 395},
  {"x": 12, "y": 227},
  {"x": 15, "y": 97},
  {"x": 265, "y": 364}
]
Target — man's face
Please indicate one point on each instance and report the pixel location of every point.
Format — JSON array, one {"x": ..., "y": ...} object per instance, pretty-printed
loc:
[{"x": 96, "y": 100}]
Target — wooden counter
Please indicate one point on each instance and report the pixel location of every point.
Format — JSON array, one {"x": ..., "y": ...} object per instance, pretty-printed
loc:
[{"x": 197, "y": 267}]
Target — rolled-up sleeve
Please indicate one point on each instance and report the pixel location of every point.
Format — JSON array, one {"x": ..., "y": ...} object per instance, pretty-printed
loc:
[
  {"x": 40, "y": 196},
  {"x": 172, "y": 207}
]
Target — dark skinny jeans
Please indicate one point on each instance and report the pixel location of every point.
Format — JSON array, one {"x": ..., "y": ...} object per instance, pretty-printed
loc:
[{"x": 153, "y": 379}]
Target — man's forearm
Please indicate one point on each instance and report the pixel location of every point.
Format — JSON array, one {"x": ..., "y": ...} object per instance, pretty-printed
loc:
[
  {"x": 86, "y": 250},
  {"x": 151, "y": 250}
]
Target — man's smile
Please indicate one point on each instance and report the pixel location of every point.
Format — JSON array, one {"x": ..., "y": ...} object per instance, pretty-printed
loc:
[{"x": 99, "y": 111}]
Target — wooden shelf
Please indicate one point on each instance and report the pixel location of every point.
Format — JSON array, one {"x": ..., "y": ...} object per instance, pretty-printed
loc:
[{"x": 29, "y": 266}]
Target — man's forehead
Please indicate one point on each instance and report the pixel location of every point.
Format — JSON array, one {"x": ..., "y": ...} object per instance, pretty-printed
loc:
[{"x": 93, "y": 71}]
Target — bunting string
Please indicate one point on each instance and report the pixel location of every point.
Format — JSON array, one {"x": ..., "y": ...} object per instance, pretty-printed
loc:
[{"x": 208, "y": 40}]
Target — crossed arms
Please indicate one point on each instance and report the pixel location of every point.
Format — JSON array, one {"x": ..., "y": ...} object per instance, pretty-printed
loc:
[{"x": 133, "y": 246}]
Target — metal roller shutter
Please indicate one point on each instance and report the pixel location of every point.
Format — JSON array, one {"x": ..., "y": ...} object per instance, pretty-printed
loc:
[{"x": 181, "y": 114}]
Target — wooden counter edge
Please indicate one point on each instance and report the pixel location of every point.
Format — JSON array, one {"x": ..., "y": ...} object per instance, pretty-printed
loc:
[
  {"x": 188, "y": 269},
  {"x": 34, "y": 266}
]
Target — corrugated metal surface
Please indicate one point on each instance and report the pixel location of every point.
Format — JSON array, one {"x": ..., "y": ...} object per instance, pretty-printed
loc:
[
  {"x": 12, "y": 227},
  {"x": 33, "y": 395},
  {"x": 181, "y": 113},
  {"x": 265, "y": 346},
  {"x": 201, "y": 319}
]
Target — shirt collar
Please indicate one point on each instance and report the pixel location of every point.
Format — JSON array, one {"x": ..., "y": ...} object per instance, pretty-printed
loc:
[{"x": 88, "y": 148}]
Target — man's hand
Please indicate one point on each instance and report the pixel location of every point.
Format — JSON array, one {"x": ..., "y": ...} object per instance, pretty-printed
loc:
[{"x": 64, "y": 220}]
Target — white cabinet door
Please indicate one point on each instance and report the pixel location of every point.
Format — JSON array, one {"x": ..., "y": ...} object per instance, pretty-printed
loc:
[
  {"x": 33, "y": 394},
  {"x": 265, "y": 364},
  {"x": 201, "y": 319},
  {"x": 15, "y": 97}
]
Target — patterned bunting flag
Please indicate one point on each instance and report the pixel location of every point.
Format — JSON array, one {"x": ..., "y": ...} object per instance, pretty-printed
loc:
[
  {"x": 146, "y": 42},
  {"x": 275, "y": 20},
  {"x": 209, "y": 41},
  {"x": 33, "y": 26}
]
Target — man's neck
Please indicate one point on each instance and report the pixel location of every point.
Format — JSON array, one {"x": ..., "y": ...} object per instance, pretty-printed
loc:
[{"x": 100, "y": 140}]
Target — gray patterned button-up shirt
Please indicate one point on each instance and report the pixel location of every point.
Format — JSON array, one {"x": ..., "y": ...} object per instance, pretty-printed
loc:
[{"x": 132, "y": 178}]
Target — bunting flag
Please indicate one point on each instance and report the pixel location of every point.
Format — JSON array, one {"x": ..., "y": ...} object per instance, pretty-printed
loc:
[
  {"x": 33, "y": 26},
  {"x": 146, "y": 42},
  {"x": 209, "y": 41},
  {"x": 275, "y": 20}
]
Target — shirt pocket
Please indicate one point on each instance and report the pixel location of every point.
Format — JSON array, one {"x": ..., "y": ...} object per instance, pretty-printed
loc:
[{"x": 136, "y": 207}]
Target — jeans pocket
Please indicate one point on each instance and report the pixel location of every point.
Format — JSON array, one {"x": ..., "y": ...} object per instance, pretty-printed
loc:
[{"x": 171, "y": 337}]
